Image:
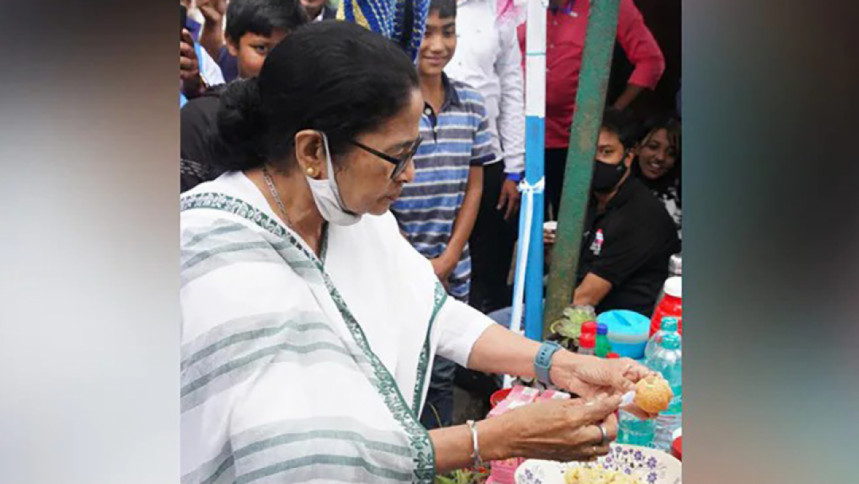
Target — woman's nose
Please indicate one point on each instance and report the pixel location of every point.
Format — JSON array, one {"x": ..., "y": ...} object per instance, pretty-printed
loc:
[
  {"x": 408, "y": 175},
  {"x": 435, "y": 44}
]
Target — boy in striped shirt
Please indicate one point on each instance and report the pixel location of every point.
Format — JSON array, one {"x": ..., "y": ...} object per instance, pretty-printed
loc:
[{"x": 436, "y": 212}]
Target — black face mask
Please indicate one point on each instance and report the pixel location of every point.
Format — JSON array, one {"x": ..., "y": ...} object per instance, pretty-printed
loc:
[{"x": 607, "y": 176}]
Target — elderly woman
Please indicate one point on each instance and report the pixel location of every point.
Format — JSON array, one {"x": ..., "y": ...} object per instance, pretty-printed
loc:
[{"x": 308, "y": 321}]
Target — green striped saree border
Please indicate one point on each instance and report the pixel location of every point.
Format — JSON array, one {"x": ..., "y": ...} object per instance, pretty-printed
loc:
[{"x": 440, "y": 297}]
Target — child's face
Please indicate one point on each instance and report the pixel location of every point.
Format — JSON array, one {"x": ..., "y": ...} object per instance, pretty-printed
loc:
[
  {"x": 252, "y": 49},
  {"x": 438, "y": 45}
]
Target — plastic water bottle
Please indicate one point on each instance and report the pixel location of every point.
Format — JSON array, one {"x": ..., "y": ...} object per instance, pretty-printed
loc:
[
  {"x": 670, "y": 304},
  {"x": 669, "y": 325},
  {"x": 675, "y": 268},
  {"x": 602, "y": 346},
  {"x": 668, "y": 360},
  {"x": 632, "y": 430}
]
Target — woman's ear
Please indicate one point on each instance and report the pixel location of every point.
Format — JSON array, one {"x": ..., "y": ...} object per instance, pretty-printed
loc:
[{"x": 310, "y": 153}]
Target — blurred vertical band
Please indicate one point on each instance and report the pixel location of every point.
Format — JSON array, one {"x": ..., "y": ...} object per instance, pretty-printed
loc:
[{"x": 89, "y": 317}]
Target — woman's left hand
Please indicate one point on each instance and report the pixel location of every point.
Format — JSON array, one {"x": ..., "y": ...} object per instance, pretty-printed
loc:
[{"x": 588, "y": 376}]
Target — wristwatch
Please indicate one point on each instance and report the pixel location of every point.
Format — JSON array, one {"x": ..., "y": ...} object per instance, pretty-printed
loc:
[{"x": 543, "y": 361}]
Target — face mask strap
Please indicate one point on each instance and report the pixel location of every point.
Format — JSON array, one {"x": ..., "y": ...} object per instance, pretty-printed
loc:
[{"x": 332, "y": 181}]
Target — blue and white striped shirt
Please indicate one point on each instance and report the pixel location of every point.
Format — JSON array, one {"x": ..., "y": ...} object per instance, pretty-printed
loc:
[{"x": 454, "y": 139}]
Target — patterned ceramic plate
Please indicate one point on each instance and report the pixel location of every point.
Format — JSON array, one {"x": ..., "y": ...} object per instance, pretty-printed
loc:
[{"x": 650, "y": 466}]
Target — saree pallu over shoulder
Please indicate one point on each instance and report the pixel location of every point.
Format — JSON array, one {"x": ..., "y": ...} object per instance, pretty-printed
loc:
[{"x": 279, "y": 382}]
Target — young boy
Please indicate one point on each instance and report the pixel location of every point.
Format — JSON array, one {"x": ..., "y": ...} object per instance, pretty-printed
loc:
[
  {"x": 437, "y": 211},
  {"x": 254, "y": 27}
]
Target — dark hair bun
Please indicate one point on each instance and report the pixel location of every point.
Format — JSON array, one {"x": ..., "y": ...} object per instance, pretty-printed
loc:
[
  {"x": 240, "y": 122},
  {"x": 330, "y": 76}
]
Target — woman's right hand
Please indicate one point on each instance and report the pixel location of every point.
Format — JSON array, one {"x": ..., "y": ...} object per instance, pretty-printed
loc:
[{"x": 563, "y": 430}]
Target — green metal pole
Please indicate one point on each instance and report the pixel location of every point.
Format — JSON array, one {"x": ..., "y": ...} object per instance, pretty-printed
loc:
[{"x": 590, "y": 102}]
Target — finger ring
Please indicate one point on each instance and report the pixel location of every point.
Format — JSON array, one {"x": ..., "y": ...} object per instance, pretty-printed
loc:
[{"x": 604, "y": 439}]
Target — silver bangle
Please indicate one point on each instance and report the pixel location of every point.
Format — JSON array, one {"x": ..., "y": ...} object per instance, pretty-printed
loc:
[{"x": 475, "y": 454}]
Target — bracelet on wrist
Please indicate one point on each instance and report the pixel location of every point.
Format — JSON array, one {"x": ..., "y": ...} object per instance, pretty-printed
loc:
[{"x": 475, "y": 453}]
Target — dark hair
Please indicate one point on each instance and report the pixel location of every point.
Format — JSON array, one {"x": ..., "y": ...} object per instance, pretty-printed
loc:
[
  {"x": 261, "y": 17},
  {"x": 445, "y": 8},
  {"x": 623, "y": 125},
  {"x": 332, "y": 76},
  {"x": 671, "y": 126}
]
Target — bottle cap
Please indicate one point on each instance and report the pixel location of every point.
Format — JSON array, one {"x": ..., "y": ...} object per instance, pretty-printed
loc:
[
  {"x": 669, "y": 324},
  {"x": 674, "y": 286},
  {"x": 587, "y": 340},
  {"x": 602, "y": 329},
  {"x": 589, "y": 327},
  {"x": 671, "y": 341},
  {"x": 612, "y": 355}
]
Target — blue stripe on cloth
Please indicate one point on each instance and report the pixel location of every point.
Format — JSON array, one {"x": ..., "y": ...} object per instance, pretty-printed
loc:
[
  {"x": 441, "y": 228},
  {"x": 446, "y": 201},
  {"x": 451, "y": 174}
]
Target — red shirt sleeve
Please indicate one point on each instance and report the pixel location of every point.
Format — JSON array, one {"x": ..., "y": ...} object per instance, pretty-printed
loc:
[{"x": 640, "y": 46}]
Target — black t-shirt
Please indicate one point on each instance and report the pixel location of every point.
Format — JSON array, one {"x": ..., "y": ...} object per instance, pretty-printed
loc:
[
  {"x": 629, "y": 245},
  {"x": 197, "y": 119}
]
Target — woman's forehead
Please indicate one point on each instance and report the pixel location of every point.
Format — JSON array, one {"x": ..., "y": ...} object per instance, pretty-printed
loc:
[
  {"x": 660, "y": 135},
  {"x": 403, "y": 128}
]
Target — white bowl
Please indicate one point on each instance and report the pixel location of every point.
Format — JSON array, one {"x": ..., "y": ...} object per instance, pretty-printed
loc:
[{"x": 650, "y": 466}]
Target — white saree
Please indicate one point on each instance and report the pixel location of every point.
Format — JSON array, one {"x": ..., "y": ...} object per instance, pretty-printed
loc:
[{"x": 297, "y": 368}]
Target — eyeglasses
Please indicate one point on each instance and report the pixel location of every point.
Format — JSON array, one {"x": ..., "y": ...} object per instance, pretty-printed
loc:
[{"x": 400, "y": 164}]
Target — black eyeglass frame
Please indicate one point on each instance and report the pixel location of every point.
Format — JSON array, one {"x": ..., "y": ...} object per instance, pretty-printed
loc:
[{"x": 399, "y": 163}]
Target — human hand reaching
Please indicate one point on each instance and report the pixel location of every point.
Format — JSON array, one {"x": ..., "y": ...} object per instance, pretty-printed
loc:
[
  {"x": 509, "y": 198},
  {"x": 563, "y": 430},
  {"x": 213, "y": 10},
  {"x": 189, "y": 66}
]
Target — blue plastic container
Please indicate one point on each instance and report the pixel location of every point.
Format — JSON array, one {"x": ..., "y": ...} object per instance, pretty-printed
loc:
[{"x": 628, "y": 332}]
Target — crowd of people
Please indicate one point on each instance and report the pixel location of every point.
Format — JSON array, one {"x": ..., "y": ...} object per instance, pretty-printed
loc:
[{"x": 348, "y": 220}]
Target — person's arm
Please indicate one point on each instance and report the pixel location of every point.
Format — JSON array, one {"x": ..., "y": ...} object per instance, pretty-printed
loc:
[
  {"x": 499, "y": 350},
  {"x": 464, "y": 222},
  {"x": 627, "y": 96},
  {"x": 481, "y": 153},
  {"x": 559, "y": 430},
  {"x": 212, "y": 33},
  {"x": 453, "y": 445},
  {"x": 511, "y": 116},
  {"x": 591, "y": 291},
  {"x": 642, "y": 51}
]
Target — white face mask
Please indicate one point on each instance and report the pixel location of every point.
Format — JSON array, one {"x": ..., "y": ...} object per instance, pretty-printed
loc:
[{"x": 326, "y": 195}]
